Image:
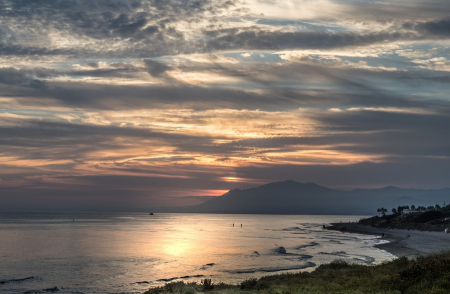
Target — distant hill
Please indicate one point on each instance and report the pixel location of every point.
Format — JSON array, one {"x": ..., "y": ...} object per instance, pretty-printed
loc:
[{"x": 290, "y": 197}]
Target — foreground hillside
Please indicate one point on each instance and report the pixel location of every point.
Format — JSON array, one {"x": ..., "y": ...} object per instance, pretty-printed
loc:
[{"x": 425, "y": 275}]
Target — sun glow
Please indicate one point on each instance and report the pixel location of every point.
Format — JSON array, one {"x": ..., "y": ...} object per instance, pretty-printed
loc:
[{"x": 232, "y": 179}]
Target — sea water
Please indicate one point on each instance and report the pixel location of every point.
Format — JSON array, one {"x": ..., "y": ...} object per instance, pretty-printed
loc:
[{"x": 131, "y": 252}]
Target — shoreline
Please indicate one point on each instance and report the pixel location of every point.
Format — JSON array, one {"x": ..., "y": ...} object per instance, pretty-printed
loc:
[{"x": 399, "y": 244}]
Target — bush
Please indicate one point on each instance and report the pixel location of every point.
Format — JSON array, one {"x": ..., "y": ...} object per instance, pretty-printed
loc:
[
  {"x": 261, "y": 285},
  {"x": 175, "y": 287},
  {"x": 400, "y": 262},
  {"x": 428, "y": 274},
  {"x": 249, "y": 284},
  {"x": 428, "y": 216},
  {"x": 207, "y": 284},
  {"x": 336, "y": 264},
  {"x": 188, "y": 290}
]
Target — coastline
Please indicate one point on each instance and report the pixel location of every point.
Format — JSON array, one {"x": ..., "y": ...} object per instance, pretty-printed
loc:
[{"x": 399, "y": 244}]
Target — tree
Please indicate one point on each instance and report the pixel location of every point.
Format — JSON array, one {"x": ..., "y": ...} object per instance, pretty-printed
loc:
[
  {"x": 413, "y": 207},
  {"x": 394, "y": 211},
  {"x": 382, "y": 211},
  {"x": 437, "y": 206}
]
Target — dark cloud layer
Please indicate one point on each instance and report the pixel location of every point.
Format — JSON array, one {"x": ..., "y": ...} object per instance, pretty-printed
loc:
[
  {"x": 146, "y": 26},
  {"x": 152, "y": 28},
  {"x": 438, "y": 28},
  {"x": 24, "y": 78},
  {"x": 352, "y": 87},
  {"x": 255, "y": 39}
]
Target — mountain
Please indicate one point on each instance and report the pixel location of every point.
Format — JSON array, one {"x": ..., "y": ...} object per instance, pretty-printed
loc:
[{"x": 290, "y": 197}]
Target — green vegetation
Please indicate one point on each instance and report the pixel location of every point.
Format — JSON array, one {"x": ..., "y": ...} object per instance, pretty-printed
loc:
[
  {"x": 400, "y": 209},
  {"x": 432, "y": 218},
  {"x": 429, "y": 216},
  {"x": 425, "y": 275},
  {"x": 382, "y": 211}
]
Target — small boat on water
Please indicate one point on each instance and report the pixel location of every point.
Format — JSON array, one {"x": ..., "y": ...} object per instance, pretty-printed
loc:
[{"x": 151, "y": 213}]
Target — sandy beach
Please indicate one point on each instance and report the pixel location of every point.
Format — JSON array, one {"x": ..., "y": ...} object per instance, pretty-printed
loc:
[{"x": 418, "y": 243}]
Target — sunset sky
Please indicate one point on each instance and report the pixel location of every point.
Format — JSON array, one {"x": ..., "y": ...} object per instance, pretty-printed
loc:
[{"x": 125, "y": 105}]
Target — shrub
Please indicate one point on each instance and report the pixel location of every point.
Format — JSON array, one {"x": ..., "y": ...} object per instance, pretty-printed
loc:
[
  {"x": 428, "y": 274},
  {"x": 174, "y": 287},
  {"x": 207, "y": 284},
  {"x": 188, "y": 290},
  {"x": 428, "y": 216},
  {"x": 261, "y": 285},
  {"x": 336, "y": 264},
  {"x": 401, "y": 261},
  {"x": 249, "y": 284}
]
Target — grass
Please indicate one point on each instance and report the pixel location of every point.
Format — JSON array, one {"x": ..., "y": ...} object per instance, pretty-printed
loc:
[{"x": 425, "y": 275}]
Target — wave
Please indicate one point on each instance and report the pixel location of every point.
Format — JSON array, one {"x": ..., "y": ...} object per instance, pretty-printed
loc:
[
  {"x": 207, "y": 266},
  {"x": 296, "y": 230},
  {"x": 364, "y": 259},
  {"x": 305, "y": 256},
  {"x": 337, "y": 253},
  {"x": 167, "y": 280},
  {"x": 176, "y": 278},
  {"x": 194, "y": 276},
  {"x": 353, "y": 257},
  {"x": 293, "y": 229},
  {"x": 48, "y": 290},
  {"x": 16, "y": 280},
  {"x": 271, "y": 269},
  {"x": 310, "y": 244},
  {"x": 335, "y": 242},
  {"x": 280, "y": 249}
]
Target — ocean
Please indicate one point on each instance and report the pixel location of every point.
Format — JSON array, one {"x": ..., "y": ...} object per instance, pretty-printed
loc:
[{"x": 131, "y": 252}]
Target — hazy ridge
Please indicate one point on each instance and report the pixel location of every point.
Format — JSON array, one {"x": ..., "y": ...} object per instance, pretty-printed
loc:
[{"x": 291, "y": 197}]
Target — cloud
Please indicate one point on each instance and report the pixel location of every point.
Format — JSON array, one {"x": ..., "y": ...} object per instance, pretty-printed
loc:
[
  {"x": 435, "y": 64},
  {"x": 155, "y": 68},
  {"x": 155, "y": 99},
  {"x": 350, "y": 84},
  {"x": 410, "y": 173},
  {"x": 139, "y": 29},
  {"x": 437, "y": 28},
  {"x": 257, "y": 39},
  {"x": 24, "y": 78}
]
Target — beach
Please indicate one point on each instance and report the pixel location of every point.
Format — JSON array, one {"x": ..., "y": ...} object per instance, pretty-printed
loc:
[{"x": 409, "y": 243}]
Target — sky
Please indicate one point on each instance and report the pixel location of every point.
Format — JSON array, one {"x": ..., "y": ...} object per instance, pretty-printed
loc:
[{"x": 130, "y": 104}]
